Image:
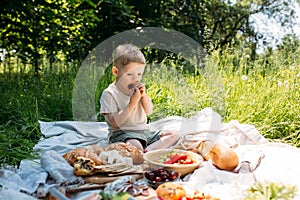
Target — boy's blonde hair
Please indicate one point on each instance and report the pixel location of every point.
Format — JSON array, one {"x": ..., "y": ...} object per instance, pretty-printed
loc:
[{"x": 127, "y": 53}]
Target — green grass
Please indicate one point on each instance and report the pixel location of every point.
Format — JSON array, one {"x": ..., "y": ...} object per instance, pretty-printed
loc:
[
  {"x": 264, "y": 93},
  {"x": 268, "y": 97},
  {"x": 271, "y": 103},
  {"x": 24, "y": 100}
]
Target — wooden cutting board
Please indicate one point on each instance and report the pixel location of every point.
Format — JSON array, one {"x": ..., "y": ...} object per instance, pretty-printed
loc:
[{"x": 102, "y": 179}]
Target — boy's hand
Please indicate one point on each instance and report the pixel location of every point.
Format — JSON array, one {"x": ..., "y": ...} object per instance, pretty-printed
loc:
[
  {"x": 139, "y": 94},
  {"x": 138, "y": 91},
  {"x": 136, "y": 95},
  {"x": 141, "y": 87}
]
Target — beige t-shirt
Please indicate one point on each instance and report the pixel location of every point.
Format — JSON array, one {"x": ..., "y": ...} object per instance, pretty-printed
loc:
[{"x": 113, "y": 100}]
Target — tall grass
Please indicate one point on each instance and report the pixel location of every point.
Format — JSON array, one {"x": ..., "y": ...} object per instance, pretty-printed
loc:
[
  {"x": 24, "y": 100},
  {"x": 264, "y": 93},
  {"x": 267, "y": 95}
]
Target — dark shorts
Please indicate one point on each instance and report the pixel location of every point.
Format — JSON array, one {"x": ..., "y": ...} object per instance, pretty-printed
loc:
[{"x": 144, "y": 136}]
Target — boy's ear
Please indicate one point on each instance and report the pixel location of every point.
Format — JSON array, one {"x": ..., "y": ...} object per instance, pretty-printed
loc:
[{"x": 115, "y": 71}]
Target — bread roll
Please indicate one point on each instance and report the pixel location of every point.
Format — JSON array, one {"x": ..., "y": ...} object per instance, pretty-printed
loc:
[
  {"x": 170, "y": 191},
  {"x": 221, "y": 156},
  {"x": 96, "y": 149},
  {"x": 127, "y": 150}
]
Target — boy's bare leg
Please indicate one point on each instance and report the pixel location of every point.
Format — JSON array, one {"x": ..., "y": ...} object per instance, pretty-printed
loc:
[
  {"x": 167, "y": 139},
  {"x": 135, "y": 143}
]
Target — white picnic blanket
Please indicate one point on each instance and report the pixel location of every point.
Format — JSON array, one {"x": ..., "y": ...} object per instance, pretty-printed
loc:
[{"x": 271, "y": 161}]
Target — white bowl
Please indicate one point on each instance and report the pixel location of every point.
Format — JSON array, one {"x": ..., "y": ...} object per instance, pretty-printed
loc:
[{"x": 153, "y": 158}]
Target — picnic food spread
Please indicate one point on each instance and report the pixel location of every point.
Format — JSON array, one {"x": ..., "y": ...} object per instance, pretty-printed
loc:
[
  {"x": 34, "y": 177},
  {"x": 121, "y": 160}
]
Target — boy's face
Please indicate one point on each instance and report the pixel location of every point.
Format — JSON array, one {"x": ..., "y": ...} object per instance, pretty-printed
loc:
[{"x": 129, "y": 76}]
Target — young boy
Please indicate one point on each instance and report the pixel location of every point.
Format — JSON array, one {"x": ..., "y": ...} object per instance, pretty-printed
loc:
[{"x": 125, "y": 103}]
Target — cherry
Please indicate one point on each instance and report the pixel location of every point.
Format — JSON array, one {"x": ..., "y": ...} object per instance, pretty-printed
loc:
[
  {"x": 173, "y": 175},
  {"x": 158, "y": 179},
  {"x": 150, "y": 175},
  {"x": 164, "y": 174}
]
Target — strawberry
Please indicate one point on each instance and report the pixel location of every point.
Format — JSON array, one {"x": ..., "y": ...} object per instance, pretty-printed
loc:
[
  {"x": 168, "y": 161},
  {"x": 174, "y": 157},
  {"x": 183, "y": 157}
]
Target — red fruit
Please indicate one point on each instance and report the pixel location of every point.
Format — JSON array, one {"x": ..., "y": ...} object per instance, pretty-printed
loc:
[
  {"x": 150, "y": 175},
  {"x": 173, "y": 175},
  {"x": 183, "y": 157},
  {"x": 175, "y": 157},
  {"x": 168, "y": 161},
  {"x": 164, "y": 175},
  {"x": 158, "y": 179}
]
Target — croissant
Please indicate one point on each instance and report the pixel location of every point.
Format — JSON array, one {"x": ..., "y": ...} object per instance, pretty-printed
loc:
[
  {"x": 71, "y": 157},
  {"x": 84, "y": 166}
]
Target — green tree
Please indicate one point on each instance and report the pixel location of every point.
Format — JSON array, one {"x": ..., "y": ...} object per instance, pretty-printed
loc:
[
  {"x": 35, "y": 28},
  {"x": 38, "y": 28},
  {"x": 213, "y": 22}
]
